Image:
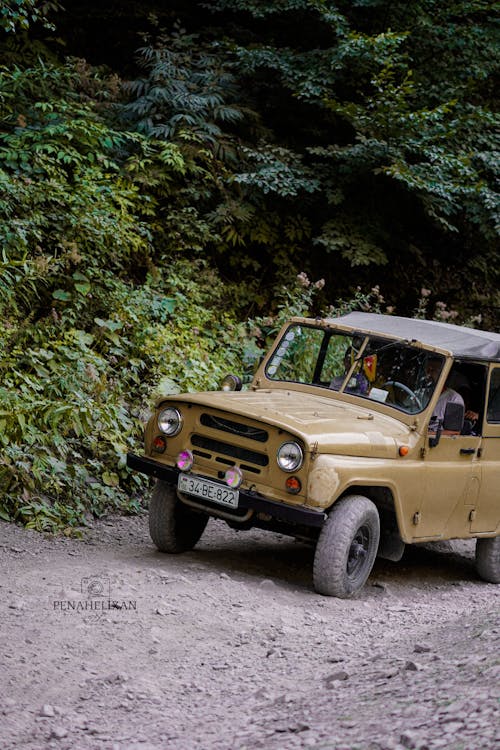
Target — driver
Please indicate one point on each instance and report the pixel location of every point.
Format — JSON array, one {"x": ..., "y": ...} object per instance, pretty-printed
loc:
[{"x": 447, "y": 396}]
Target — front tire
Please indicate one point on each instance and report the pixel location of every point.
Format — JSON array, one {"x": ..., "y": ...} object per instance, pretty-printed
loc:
[
  {"x": 173, "y": 527},
  {"x": 488, "y": 559},
  {"x": 347, "y": 547}
]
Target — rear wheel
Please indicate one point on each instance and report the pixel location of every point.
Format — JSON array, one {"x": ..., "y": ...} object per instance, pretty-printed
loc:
[
  {"x": 347, "y": 547},
  {"x": 173, "y": 526},
  {"x": 488, "y": 559}
]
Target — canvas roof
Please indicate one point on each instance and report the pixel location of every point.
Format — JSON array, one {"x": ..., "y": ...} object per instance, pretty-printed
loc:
[{"x": 462, "y": 342}]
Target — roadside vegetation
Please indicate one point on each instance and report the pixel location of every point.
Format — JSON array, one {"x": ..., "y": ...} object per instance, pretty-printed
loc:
[{"x": 160, "y": 217}]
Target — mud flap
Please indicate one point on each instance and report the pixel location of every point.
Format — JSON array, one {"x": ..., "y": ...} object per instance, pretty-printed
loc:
[{"x": 391, "y": 546}]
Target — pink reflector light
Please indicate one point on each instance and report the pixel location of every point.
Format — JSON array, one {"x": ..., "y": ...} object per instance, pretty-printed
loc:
[
  {"x": 233, "y": 477},
  {"x": 185, "y": 460}
]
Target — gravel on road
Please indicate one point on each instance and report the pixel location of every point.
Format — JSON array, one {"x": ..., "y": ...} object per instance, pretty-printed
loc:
[{"x": 107, "y": 644}]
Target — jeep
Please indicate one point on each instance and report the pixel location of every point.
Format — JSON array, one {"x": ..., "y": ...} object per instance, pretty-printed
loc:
[{"x": 360, "y": 434}]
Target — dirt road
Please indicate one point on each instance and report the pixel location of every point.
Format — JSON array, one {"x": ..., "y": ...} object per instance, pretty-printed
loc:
[{"x": 108, "y": 645}]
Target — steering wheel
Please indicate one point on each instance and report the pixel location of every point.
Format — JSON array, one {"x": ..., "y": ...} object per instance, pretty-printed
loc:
[{"x": 395, "y": 384}]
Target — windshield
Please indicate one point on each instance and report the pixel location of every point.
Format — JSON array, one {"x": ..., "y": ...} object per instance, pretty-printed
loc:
[{"x": 392, "y": 372}]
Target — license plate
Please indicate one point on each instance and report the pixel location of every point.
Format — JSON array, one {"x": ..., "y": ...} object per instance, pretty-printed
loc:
[{"x": 204, "y": 488}]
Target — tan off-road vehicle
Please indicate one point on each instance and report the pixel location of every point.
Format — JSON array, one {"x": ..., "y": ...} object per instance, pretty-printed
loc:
[{"x": 361, "y": 434}]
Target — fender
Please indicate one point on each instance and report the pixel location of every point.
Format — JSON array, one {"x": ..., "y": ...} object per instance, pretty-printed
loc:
[{"x": 332, "y": 476}]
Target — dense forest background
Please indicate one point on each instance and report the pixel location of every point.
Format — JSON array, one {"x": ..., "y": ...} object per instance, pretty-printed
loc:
[{"x": 176, "y": 178}]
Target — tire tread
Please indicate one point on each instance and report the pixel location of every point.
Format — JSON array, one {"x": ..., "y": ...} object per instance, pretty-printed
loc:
[
  {"x": 173, "y": 527},
  {"x": 488, "y": 559},
  {"x": 329, "y": 570}
]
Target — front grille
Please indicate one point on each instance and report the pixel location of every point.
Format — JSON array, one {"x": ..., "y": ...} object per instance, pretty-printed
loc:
[
  {"x": 234, "y": 428},
  {"x": 217, "y": 446},
  {"x": 228, "y": 462}
]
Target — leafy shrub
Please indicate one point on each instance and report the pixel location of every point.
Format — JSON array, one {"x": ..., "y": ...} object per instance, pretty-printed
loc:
[
  {"x": 74, "y": 400},
  {"x": 20, "y": 14}
]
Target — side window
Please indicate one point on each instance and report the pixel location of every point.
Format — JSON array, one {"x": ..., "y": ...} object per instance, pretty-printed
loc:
[
  {"x": 493, "y": 410},
  {"x": 297, "y": 354}
]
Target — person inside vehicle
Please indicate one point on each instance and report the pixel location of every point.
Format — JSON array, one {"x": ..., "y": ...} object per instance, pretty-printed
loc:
[
  {"x": 358, "y": 383},
  {"x": 460, "y": 383},
  {"x": 448, "y": 395}
]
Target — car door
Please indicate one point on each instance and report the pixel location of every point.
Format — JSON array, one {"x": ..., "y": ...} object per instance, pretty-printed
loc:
[
  {"x": 485, "y": 514},
  {"x": 452, "y": 472},
  {"x": 451, "y": 480}
]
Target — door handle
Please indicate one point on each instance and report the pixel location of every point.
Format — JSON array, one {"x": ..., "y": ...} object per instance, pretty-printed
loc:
[{"x": 467, "y": 451}]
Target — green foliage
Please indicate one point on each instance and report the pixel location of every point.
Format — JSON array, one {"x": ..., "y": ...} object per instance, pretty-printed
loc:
[
  {"x": 390, "y": 134},
  {"x": 96, "y": 321},
  {"x": 16, "y": 15},
  {"x": 276, "y": 170},
  {"x": 342, "y": 236},
  {"x": 190, "y": 97},
  {"x": 344, "y": 139},
  {"x": 60, "y": 177},
  {"x": 75, "y": 341},
  {"x": 185, "y": 94},
  {"x": 73, "y": 399}
]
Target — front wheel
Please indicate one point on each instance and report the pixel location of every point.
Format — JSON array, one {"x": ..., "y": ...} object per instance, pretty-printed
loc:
[
  {"x": 488, "y": 559},
  {"x": 173, "y": 526},
  {"x": 347, "y": 547}
]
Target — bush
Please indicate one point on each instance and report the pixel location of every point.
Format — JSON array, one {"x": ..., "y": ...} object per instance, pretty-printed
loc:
[{"x": 74, "y": 399}]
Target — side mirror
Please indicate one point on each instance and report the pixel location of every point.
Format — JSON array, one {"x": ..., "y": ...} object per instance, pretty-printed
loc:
[
  {"x": 453, "y": 417},
  {"x": 453, "y": 421}
]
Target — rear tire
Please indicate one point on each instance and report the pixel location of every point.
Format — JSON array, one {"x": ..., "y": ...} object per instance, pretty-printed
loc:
[
  {"x": 347, "y": 547},
  {"x": 173, "y": 527},
  {"x": 488, "y": 559}
]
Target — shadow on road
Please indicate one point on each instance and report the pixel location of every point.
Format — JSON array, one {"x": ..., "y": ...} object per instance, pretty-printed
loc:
[{"x": 261, "y": 556}]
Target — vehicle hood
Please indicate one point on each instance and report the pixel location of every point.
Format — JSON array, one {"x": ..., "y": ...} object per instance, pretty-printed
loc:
[{"x": 323, "y": 423}]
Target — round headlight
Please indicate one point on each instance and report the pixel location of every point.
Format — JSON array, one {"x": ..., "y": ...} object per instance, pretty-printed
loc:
[
  {"x": 170, "y": 421},
  {"x": 290, "y": 457},
  {"x": 231, "y": 383}
]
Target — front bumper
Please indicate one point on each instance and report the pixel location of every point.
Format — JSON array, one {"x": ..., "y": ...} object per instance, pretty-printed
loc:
[{"x": 247, "y": 500}]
